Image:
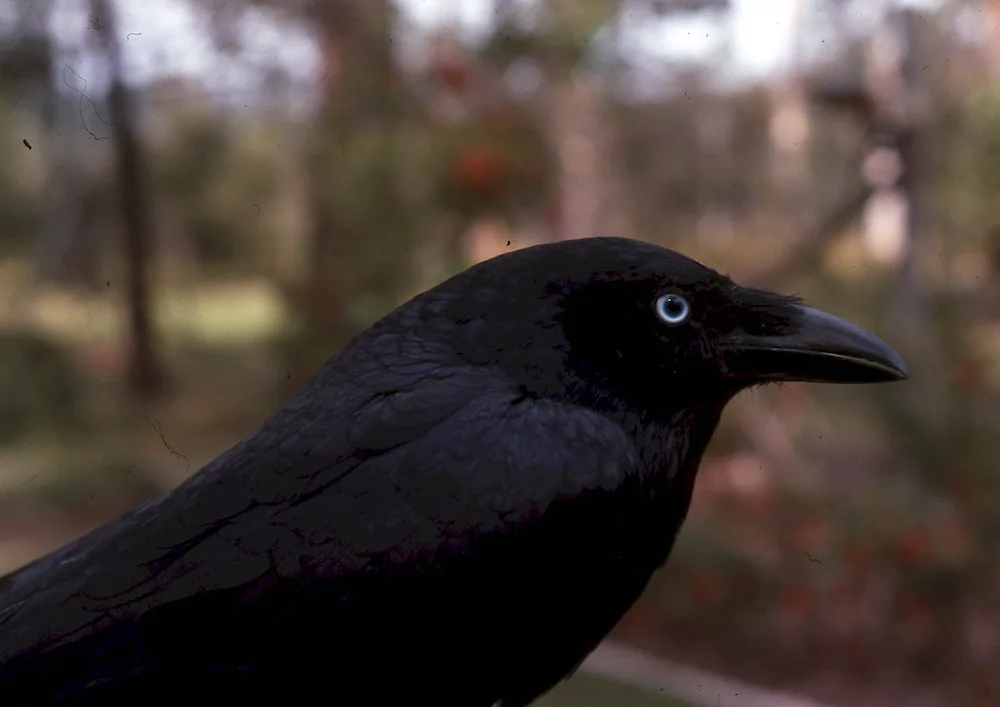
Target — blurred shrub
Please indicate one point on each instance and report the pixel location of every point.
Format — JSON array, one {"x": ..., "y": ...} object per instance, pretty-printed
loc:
[
  {"x": 41, "y": 388},
  {"x": 76, "y": 489},
  {"x": 21, "y": 179},
  {"x": 219, "y": 191}
]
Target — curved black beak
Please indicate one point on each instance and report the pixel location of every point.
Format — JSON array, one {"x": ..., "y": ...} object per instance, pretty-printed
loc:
[{"x": 819, "y": 348}]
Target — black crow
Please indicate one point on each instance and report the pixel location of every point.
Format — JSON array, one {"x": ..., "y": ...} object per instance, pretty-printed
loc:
[{"x": 453, "y": 511}]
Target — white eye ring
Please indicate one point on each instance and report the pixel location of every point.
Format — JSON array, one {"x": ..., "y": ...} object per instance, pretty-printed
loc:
[{"x": 672, "y": 309}]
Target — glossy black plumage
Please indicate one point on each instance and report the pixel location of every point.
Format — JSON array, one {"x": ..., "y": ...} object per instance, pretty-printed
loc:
[{"x": 455, "y": 510}]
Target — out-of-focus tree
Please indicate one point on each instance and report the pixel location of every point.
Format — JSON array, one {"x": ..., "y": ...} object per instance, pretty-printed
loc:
[
  {"x": 145, "y": 374},
  {"x": 26, "y": 98},
  {"x": 362, "y": 163}
]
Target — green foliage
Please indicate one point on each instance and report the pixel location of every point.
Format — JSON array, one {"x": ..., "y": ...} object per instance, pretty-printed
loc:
[
  {"x": 41, "y": 388},
  {"x": 969, "y": 150},
  {"x": 374, "y": 220},
  {"x": 21, "y": 178},
  {"x": 215, "y": 176}
]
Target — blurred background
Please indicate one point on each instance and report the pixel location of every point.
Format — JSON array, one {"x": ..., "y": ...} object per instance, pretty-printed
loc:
[{"x": 201, "y": 201}]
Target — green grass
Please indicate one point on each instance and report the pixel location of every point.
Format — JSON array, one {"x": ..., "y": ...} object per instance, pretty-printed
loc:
[
  {"x": 584, "y": 690},
  {"x": 227, "y": 313}
]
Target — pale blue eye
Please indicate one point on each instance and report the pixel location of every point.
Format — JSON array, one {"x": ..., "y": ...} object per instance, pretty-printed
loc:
[{"x": 672, "y": 309}]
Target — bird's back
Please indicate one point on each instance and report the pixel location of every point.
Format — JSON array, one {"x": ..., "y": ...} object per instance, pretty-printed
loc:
[{"x": 432, "y": 533}]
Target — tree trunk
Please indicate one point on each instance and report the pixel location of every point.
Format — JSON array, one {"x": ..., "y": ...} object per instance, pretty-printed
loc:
[{"x": 145, "y": 376}]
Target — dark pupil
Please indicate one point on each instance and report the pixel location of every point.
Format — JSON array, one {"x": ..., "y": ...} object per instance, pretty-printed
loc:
[{"x": 674, "y": 306}]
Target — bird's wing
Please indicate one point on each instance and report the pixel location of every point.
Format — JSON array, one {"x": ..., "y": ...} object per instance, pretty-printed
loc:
[{"x": 388, "y": 474}]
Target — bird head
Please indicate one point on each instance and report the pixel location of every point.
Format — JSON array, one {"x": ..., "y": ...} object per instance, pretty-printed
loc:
[{"x": 622, "y": 322}]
